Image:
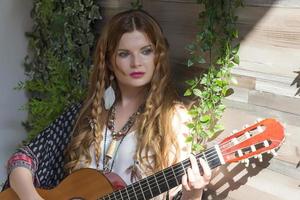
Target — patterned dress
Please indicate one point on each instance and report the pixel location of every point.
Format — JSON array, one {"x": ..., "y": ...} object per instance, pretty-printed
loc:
[{"x": 44, "y": 155}]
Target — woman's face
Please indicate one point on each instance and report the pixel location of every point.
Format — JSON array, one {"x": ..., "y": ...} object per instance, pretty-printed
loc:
[{"x": 134, "y": 60}]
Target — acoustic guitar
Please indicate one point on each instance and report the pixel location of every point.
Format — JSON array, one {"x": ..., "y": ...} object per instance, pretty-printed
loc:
[{"x": 89, "y": 184}]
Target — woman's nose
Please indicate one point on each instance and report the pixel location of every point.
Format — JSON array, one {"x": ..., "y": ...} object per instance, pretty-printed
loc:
[{"x": 136, "y": 61}]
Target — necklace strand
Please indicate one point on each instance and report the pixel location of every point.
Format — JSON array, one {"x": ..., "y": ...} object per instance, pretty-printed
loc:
[{"x": 116, "y": 135}]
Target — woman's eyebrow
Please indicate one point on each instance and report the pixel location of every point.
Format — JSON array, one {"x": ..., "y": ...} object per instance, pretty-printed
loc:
[
  {"x": 147, "y": 46},
  {"x": 122, "y": 50},
  {"x": 144, "y": 47}
]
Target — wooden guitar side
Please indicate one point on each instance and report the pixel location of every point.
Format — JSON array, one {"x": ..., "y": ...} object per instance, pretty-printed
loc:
[{"x": 84, "y": 184}]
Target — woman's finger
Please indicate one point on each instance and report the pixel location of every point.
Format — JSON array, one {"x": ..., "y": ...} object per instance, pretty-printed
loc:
[
  {"x": 195, "y": 166},
  {"x": 206, "y": 170},
  {"x": 184, "y": 182}
]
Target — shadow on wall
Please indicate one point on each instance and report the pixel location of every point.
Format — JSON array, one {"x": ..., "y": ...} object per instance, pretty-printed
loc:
[
  {"x": 297, "y": 83},
  {"x": 178, "y": 20},
  {"x": 232, "y": 176}
]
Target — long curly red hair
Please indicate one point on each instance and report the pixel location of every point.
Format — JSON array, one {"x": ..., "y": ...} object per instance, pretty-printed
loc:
[{"x": 155, "y": 134}]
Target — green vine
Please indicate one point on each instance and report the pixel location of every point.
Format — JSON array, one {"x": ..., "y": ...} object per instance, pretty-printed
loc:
[
  {"x": 215, "y": 48},
  {"x": 57, "y": 67},
  {"x": 296, "y": 82},
  {"x": 136, "y": 4}
]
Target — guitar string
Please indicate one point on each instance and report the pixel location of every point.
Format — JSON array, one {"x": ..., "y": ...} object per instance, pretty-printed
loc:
[
  {"x": 156, "y": 182},
  {"x": 185, "y": 163}
]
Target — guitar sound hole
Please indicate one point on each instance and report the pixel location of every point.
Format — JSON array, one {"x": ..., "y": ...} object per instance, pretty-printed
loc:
[{"x": 77, "y": 198}]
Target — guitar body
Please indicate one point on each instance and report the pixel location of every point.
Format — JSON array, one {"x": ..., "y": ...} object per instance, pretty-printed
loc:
[{"x": 83, "y": 184}]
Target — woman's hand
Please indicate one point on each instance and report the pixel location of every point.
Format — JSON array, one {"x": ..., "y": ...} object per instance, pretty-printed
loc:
[{"x": 193, "y": 182}]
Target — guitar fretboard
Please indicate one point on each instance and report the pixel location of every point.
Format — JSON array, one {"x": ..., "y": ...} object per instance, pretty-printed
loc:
[{"x": 164, "y": 180}]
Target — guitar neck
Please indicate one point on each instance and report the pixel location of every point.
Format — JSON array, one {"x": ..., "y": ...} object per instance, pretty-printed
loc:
[{"x": 166, "y": 179}]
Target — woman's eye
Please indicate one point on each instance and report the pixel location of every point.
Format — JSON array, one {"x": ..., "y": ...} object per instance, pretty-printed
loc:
[
  {"x": 123, "y": 54},
  {"x": 147, "y": 51}
]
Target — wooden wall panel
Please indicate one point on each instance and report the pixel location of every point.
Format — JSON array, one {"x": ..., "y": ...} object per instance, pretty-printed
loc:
[
  {"x": 270, "y": 52},
  {"x": 270, "y": 40},
  {"x": 273, "y": 3}
]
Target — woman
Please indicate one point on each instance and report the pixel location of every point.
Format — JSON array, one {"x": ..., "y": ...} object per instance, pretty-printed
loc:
[{"x": 130, "y": 123}]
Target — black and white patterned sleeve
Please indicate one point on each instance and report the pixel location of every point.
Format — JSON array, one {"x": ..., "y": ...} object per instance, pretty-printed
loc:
[{"x": 43, "y": 156}]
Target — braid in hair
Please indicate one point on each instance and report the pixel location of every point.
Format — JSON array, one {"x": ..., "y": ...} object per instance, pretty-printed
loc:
[
  {"x": 156, "y": 134},
  {"x": 96, "y": 112}
]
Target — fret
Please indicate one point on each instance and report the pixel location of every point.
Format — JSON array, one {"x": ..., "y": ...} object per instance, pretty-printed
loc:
[
  {"x": 153, "y": 185},
  {"x": 146, "y": 189},
  {"x": 157, "y": 184},
  {"x": 166, "y": 180},
  {"x": 160, "y": 180},
  {"x": 138, "y": 190},
  {"x": 219, "y": 153},
  {"x": 178, "y": 170},
  {"x": 127, "y": 192},
  {"x": 134, "y": 192},
  {"x": 211, "y": 157},
  {"x": 131, "y": 192},
  {"x": 141, "y": 189},
  {"x": 115, "y": 197},
  {"x": 124, "y": 193},
  {"x": 183, "y": 168},
  {"x": 169, "y": 177},
  {"x": 214, "y": 161},
  {"x": 149, "y": 187},
  {"x": 175, "y": 177},
  {"x": 119, "y": 192},
  {"x": 204, "y": 157}
]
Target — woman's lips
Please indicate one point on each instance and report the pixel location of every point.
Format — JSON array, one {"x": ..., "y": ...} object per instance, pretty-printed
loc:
[{"x": 137, "y": 74}]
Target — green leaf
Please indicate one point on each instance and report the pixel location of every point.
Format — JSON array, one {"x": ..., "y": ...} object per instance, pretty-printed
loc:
[
  {"x": 219, "y": 61},
  {"x": 236, "y": 49},
  {"x": 236, "y": 59},
  {"x": 188, "y": 92},
  {"x": 205, "y": 118},
  {"x": 235, "y": 33},
  {"x": 189, "y": 139},
  {"x": 230, "y": 65},
  {"x": 219, "y": 82},
  {"x": 191, "y": 47},
  {"x": 197, "y": 92},
  {"x": 193, "y": 111},
  {"x": 210, "y": 133},
  {"x": 222, "y": 107},
  {"x": 219, "y": 127},
  {"x": 191, "y": 125},
  {"x": 197, "y": 147},
  {"x": 201, "y": 60},
  {"x": 190, "y": 82},
  {"x": 190, "y": 63}
]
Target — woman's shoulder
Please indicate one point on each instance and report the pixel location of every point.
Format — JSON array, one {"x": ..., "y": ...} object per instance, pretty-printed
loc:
[{"x": 70, "y": 112}]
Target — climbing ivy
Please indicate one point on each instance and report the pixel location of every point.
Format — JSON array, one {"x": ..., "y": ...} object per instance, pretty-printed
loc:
[
  {"x": 215, "y": 48},
  {"x": 59, "y": 58}
]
